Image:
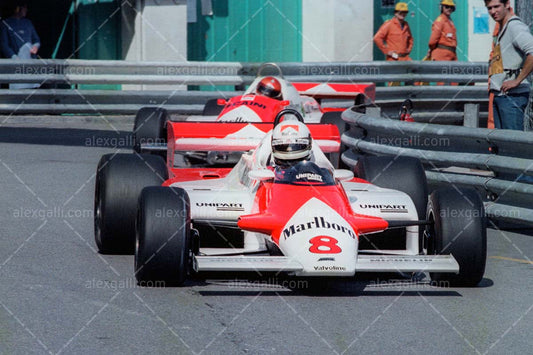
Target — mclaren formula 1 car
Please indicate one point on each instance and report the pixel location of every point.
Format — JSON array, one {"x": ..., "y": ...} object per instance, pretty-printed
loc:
[
  {"x": 305, "y": 219},
  {"x": 264, "y": 98}
]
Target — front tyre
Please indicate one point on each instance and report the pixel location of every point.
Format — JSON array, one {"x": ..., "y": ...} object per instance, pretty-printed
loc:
[
  {"x": 459, "y": 229},
  {"x": 163, "y": 243}
]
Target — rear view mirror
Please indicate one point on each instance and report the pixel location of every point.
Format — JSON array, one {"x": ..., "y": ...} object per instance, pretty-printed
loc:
[
  {"x": 261, "y": 174},
  {"x": 221, "y": 102},
  {"x": 343, "y": 174}
]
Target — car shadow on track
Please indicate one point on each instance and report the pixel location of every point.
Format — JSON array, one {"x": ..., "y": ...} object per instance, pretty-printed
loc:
[
  {"x": 351, "y": 292},
  {"x": 90, "y": 138},
  {"x": 367, "y": 286}
]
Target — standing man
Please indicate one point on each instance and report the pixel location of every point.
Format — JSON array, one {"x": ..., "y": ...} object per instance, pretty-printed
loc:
[
  {"x": 509, "y": 67},
  {"x": 394, "y": 37},
  {"x": 18, "y": 38},
  {"x": 490, "y": 121},
  {"x": 443, "y": 39}
]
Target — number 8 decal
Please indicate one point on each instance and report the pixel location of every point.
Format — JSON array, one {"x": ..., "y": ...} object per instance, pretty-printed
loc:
[{"x": 324, "y": 245}]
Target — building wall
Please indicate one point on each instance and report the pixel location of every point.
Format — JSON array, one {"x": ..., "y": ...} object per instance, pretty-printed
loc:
[
  {"x": 246, "y": 31},
  {"x": 479, "y": 45},
  {"x": 154, "y": 30},
  {"x": 337, "y": 30}
]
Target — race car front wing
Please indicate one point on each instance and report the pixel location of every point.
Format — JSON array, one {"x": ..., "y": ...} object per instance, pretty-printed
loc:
[{"x": 365, "y": 263}]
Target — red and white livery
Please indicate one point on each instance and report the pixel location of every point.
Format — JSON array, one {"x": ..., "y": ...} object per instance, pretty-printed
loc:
[
  {"x": 260, "y": 103},
  {"x": 308, "y": 219}
]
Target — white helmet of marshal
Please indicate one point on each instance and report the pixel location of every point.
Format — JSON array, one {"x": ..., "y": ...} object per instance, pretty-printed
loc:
[{"x": 291, "y": 142}]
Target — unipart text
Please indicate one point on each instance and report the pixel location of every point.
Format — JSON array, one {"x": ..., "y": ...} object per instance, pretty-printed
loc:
[
  {"x": 386, "y": 208},
  {"x": 222, "y": 206}
]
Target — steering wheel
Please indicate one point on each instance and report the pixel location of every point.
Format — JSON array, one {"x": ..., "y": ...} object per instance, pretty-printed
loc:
[{"x": 285, "y": 112}]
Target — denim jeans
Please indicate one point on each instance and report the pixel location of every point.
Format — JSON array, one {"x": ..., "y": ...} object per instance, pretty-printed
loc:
[{"x": 509, "y": 111}]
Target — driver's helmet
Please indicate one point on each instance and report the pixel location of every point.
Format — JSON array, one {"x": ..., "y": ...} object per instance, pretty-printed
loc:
[
  {"x": 270, "y": 87},
  {"x": 291, "y": 143}
]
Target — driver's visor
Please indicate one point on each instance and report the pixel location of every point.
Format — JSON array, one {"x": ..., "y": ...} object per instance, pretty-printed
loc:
[
  {"x": 290, "y": 147},
  {"x": 268, "y": 91}
]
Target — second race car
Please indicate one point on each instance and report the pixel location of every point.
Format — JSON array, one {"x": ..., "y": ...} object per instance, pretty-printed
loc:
[{"x": 265, "y": 97}]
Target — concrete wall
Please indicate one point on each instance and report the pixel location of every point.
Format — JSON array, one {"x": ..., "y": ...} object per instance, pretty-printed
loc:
[
  {"x": 154, "y": 30},
  {"x": 337, "y": 30}
]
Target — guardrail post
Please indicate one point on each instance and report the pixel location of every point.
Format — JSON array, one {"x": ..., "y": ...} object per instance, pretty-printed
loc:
[{"x": 471, "y": 115}]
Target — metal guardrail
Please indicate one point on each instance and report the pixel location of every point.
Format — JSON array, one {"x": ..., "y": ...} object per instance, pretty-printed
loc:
[
  {"x": 440, "y": 104},
  {"x": 435, "y": 104},
  {"x": 77, "y": 71},
  {"x": 121, "y": 72},
  {"x": 498, "y": 163},
  {"x": 58, "y": 101}
]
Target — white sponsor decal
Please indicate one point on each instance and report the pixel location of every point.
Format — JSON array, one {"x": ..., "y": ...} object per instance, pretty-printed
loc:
[
  {"x": 314, "y": 223},
  {"x": 309, "y": 176},
  {"x": 386, "y": 208}
]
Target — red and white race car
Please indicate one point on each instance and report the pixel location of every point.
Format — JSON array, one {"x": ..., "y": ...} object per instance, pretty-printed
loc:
[
  {"x": 304, "y": 219},
  {"x": 261, "y": 102}
]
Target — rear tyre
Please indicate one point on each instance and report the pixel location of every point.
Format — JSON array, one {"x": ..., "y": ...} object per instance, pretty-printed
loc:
[
  {"x": 120, "y": 179},
  {"x": 163, "y": 243},
  {"x": 459, "y": 229},
  {"x": 335, "y": 119},
  {"x": 149, "y": 127},
  {"x": 212, "y": 108},
  {"x": 404, "y": 174}
]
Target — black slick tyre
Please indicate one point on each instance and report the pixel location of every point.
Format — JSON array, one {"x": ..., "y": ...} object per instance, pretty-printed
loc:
[
  {"x": 335, "y": 119},
  {"x": 404, "y": 174},
  {"x": 212, "y": 108},
  {"x": 459, "y": 229},
  {"x": 120, "y": 179},
  {"x": 149, "y": 127},
  {"x": 163, "y": 243}
]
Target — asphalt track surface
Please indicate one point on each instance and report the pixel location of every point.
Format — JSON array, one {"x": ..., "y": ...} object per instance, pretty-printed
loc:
[{"x": 58, "y": 295}]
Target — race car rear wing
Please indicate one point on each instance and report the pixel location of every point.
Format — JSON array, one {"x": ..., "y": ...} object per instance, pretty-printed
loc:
[
  {"x": 364, "y": 93},
  {"x": 235, "y": 137}
]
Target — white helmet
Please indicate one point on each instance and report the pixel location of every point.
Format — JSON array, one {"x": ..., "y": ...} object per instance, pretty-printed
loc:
[{"x": 291, "y": 141}]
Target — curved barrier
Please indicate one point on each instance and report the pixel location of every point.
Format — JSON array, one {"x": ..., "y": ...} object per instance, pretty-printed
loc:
[
  {"x": 440, "y": 104},
  {"x": 498, "y": 163}
]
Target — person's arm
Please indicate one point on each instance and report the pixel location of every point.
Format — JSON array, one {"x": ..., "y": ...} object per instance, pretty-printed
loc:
[
  {"x": 380, "y": 38},
  {"x": 436, "y": 31},
  {"x": 35, "y": 40},
  {"x": 527, "y": 68},
  {"x": 522, "y": 39},
  {"x": 410, "y": 41}
]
